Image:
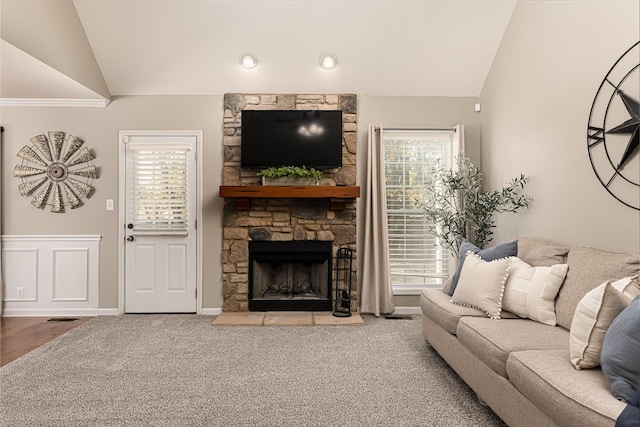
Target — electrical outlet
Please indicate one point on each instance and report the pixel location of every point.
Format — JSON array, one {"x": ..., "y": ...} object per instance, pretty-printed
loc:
[
  {"x": 109, "y": 204},
  {"x": 20, "y": 293}
]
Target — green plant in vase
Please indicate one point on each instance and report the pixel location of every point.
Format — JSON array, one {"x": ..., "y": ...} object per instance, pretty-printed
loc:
[{"x": 457, "y": 207}]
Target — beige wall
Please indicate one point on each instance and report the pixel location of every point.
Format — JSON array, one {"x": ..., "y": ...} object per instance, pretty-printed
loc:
[
  {"x": 99, "y": 127},
  {"x": 412, "y": 112},
  {"x": 59, "y": 42},
  {"x": 536, "y": 102}
]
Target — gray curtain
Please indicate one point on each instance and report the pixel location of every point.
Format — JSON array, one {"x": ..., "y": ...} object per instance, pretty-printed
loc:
[{"x": 376, "y": 294}]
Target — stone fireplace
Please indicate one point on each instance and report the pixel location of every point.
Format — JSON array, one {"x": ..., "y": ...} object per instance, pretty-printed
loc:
[
  {"x": 295, "y": 220},
  {"x": 292, "y": 275}
]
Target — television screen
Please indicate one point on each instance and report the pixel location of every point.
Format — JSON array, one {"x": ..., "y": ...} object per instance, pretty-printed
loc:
[{"x": 274, "y": 138}]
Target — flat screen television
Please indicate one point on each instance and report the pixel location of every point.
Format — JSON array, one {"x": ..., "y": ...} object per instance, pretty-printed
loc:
[{"x": 274, "y": 138}]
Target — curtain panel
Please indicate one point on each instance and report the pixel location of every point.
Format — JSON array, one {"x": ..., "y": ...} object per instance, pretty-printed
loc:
[
  {"x": 376, "y": 294},
  {"x": 458, "y": 150},
  {"x": 1, "y": 284}
]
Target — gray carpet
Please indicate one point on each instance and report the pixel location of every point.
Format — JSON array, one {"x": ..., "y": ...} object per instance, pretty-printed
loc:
[{"x": 178, "y": 370}]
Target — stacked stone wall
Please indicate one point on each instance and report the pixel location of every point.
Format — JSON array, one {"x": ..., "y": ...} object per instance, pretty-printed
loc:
[{"x": 283, "y": 219}]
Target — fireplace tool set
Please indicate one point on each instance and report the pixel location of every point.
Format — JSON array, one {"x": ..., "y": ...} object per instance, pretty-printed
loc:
[{"x": 342, "y": 300}]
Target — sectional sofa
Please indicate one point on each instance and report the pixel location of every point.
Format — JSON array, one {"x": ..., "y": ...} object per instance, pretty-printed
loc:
[{"x": 521, "y": 368}]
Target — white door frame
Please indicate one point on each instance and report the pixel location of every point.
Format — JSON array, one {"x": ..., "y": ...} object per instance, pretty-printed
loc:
[{"x": 121, "y": 207}]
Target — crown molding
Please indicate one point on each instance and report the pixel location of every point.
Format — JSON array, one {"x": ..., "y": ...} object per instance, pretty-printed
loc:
[{"x": 54, "y": 102}]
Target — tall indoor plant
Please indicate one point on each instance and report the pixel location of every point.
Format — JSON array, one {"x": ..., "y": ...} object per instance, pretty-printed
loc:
[{"x": 457, "y": 207}]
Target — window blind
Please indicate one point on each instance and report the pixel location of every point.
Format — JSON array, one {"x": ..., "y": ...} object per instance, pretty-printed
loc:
[
  {"x": 160, "y": 190},
  {"x": 416, "y": 257}
]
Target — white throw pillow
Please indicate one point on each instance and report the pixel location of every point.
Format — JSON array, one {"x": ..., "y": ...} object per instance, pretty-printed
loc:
[
  {"x": 530, "y": 291},
  {"x": 593, "y": 316},
  {"x": 481, "y": 284}
]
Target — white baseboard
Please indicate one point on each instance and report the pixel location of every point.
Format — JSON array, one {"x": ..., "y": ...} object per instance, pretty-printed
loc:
[
  {"x": 108, "y": 312},
  {"x": 50, "y": 312},
  {"x": 407, "y": 310},
  {"x": 62, "y": 312}
]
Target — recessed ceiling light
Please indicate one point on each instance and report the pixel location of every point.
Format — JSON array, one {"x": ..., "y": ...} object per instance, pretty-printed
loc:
[
  {"x": 248, "y": 60},
  {"x": 328, "y": 61}
]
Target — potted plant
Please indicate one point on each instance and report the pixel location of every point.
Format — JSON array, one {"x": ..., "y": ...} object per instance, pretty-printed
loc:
[
  {"x": 290, "y": 175},
  {"x": 459, "y": 208}
]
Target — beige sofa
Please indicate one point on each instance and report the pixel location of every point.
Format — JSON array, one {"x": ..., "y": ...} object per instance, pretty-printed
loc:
[{"x": 521, "y": 368}]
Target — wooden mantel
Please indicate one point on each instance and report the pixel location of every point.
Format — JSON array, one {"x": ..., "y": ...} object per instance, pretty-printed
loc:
[{"x": 337, "y": 194}]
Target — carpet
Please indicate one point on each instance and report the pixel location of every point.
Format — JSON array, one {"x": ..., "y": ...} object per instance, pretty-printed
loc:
[{"x": 179, "y": 370}]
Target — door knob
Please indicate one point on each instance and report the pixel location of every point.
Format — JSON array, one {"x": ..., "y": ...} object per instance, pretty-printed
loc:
[
  {"x": 130, "y": 239},
  {"x": 129, "y": 226}
]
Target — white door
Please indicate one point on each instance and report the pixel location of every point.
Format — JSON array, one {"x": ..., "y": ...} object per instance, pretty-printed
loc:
[{"x": 160, "y": 223}]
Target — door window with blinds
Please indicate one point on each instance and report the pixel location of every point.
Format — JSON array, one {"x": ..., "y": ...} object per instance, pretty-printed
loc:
[
  {"x": 159, "y": 187},
  {"x": 417, "y": 260}
]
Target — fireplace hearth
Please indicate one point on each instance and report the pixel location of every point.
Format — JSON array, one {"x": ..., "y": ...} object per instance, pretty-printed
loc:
[{"x": 290, "y": 276}]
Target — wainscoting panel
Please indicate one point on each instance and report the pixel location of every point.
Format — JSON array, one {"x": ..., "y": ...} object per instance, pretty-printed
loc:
[
  {"x": 51, "y": 275},
  {"x": 24, "y": 281},
  {"x": 71, "y": 274}
]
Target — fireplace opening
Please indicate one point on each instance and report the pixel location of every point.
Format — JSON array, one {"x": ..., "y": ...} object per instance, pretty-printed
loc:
[{"x": 290, "y": 276}]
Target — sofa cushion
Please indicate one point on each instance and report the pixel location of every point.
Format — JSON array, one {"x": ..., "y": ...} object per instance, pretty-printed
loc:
[
  {"x": 502, "y": 250},
  {"x": 547, "y": 378},
  {"x": 481, "y": 284},
  {"x": 531, "y": 292},
  {"x": 540, "y": 252},
  {"x": 492, "y": 341},
  {"x": 438, "y": 307},
  {"x": 620, "y": 349},
  {"x": 589, "y": 268},
  {"x": 447, "y": 285},
  {"x": 593, "y": 316}
]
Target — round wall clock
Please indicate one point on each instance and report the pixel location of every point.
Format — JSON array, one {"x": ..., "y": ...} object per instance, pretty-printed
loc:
[
  {"x": 57, "y": 171},
  {"x": 612, "y": 133}
]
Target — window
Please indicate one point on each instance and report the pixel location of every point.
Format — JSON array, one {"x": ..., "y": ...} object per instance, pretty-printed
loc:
[
  {"x": 417, "y": 260},
  {"x": 159, "y": 189}
]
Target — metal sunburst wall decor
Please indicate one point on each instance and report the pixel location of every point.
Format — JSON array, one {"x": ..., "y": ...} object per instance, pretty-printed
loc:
[{"x": 57, "y": 171}]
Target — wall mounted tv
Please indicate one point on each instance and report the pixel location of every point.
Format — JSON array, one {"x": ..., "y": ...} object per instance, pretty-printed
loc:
[{"x": 274, "y": 138}]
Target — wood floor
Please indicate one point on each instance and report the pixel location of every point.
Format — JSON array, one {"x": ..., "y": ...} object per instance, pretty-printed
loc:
[{"x": 20, "y": 335}]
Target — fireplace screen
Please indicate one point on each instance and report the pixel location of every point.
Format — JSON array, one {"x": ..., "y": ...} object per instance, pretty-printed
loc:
[{"x": 290, "y": 276}]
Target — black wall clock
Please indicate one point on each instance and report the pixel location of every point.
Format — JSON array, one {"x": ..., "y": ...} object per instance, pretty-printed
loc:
[{"x": 613, "y": 136}]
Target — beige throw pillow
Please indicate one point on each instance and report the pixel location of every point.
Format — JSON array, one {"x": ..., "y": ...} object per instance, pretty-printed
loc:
[
  {"x": 481, "y": 284},
  {"x": 530, "y": 291},
  {"x": 593, "y": 316}
]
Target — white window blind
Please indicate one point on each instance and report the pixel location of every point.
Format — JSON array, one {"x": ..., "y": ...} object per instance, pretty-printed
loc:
[
  {"x": 159, "y": 189},
  {"x": 416, "y": 257}
]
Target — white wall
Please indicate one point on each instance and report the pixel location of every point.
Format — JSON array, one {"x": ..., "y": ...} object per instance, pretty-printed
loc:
[
  {"x": 536, "y": 102},
  {"x": 48, "y": 275}
]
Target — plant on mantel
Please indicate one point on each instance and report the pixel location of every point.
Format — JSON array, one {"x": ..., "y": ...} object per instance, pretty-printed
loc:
[
  {"x": 457, "y": 207},
  {"x": 291, "y": 172}
]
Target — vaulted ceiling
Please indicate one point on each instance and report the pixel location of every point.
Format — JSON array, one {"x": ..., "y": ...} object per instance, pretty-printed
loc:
[{"x": 95, "y": 49}]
